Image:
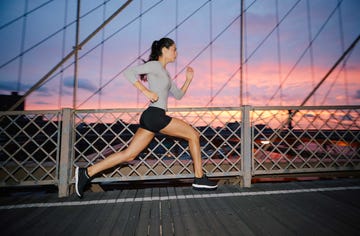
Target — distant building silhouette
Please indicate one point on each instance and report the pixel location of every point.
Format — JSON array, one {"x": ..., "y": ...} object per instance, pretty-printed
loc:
[{"x": 7, "y": 101}]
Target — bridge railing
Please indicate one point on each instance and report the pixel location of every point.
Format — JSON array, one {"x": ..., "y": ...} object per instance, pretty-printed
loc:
[
  {"x": 43, "y": 147},
  {"x": 305, "y": 139}
]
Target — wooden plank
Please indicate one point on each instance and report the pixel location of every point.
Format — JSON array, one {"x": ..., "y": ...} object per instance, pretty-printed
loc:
[
  {"x": 23, "y": 222},
  {"x": 80, "y": 217},
  {"x": 120, "y": 224},
  {"x": 320, "y": 213},
  {"x": 298, "y": 222},
  {"x": 9, "y": 217},
  {"x": 329, "y": 214},
  {"x": 17, "y": 198},
  {"x": 143, "y": 222},
  {"x": 255, "y": 216},
  {"x": 204, "y": 217},
  {"x": 225, "y": 214},
  {"x": 348, "y": 197},
  {"x": 26, "y": 218},
  {"x": 84, "y": 224},
  {"x": 185, "y": 212},
  {"x": 111, "y": 221},
  {"x": 313, "y": 209},
  {"x": 166, "y": 221},
  {"x": 171, "y": 191},
  {"x": 133, "y": 219},
  {"x": 103, "y": 213},
  {"x": 148, "y": 192},
  {"x": 178, "y": 225},
  {"x": 154, "y": 222}
]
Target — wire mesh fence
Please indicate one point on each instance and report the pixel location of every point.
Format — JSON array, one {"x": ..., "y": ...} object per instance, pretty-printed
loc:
[
  {"x": 43, "y": 147},
  {"x": 29, "y": 149},
  {"x": 101, "y": 133},
  {"x": 305, "y": 139}
]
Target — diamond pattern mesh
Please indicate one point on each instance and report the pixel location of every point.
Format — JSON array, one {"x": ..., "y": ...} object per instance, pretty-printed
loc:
[
  {"x": 100, "y": 134},
  {"x": 305, "y": 140},
  {"x": 29, "y": 148},
  {"x": 284, "y": 140}
]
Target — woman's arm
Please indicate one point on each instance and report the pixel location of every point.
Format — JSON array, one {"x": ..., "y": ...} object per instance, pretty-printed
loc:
[
  {"x": 178, "y": 93},
  {"x": 132, "y": 74},
  {"x": 189, "y": 77},
  {"x": 153, "y": 97}
]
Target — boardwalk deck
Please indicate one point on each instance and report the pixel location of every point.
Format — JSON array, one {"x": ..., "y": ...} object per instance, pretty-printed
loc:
[{"x": 326, "y": 207}]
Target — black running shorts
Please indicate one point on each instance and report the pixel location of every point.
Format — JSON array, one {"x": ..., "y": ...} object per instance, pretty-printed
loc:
[{"x": 154, "y": 119}]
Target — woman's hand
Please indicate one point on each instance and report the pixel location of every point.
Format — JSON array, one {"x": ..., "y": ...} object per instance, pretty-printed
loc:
[
  {"x": 189, "y": 73},
  {"x": 189, "y": 77},
  {"x": 153, "y": 97}
]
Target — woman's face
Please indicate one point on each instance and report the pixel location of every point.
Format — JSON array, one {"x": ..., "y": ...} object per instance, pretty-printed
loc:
[{"x": 170, "y": 53}]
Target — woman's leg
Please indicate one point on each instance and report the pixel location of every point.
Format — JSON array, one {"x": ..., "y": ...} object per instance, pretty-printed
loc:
[
  {"x": 141, "y": 139},
  {"x": 181, "y": 129}
]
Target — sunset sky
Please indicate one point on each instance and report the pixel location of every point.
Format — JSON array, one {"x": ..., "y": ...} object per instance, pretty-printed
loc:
[{"x": 279, "y": 66}]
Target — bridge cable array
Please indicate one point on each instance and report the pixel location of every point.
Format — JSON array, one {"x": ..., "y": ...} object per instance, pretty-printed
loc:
[{"x": 208, "y": 47}]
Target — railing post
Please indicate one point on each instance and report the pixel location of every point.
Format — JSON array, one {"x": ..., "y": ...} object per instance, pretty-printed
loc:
[
  {"x": 246, "y": 146},
  {"x": 65, "y": 153}
]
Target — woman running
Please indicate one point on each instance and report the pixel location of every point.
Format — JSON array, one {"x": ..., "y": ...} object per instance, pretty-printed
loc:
[{"x": 154, "y": 119}]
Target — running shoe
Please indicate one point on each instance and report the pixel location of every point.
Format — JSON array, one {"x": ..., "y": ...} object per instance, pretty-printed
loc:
[
  {"x": 82, "y": 179},
  {"x": 204, "y": 183}
]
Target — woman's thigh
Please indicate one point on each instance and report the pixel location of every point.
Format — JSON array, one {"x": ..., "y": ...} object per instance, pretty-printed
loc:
[
  {"x": 140, "y": 140},
  {"x": 180, "y": 129}
]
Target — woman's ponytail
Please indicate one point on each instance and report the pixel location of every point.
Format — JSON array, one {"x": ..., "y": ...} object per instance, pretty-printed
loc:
[
  {"x": 156, "y": 51},
  {"x": 157, "y": 46}
]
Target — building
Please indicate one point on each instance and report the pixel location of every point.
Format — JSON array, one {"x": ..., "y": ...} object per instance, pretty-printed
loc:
[{"x": 7, "y": 101}]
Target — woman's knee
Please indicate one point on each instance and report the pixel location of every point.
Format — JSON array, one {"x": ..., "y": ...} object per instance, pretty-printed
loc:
[
  {"x": 194, "y": 135},
  {"x": 129, "y": 155}
]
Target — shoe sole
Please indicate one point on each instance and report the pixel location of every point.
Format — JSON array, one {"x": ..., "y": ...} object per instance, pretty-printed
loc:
[
  {"x": 205, "y": 187},
  {"x": 77, "y": 181}
]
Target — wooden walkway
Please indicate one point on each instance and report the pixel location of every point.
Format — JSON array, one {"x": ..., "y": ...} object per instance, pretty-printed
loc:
[{"x": 326, "y": 207}]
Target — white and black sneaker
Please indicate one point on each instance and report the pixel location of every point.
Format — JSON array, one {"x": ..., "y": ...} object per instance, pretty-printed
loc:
[
  {"x": 82, "y": 179},
  {"x": 204, "y": 183}
]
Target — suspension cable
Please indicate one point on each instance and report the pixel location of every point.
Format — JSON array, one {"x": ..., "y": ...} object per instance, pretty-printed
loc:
[
  {"x": 344, "y": 62},
  {"x": 331, "y": 69},
  {"x": 278, "y": 49},
  {"x": 311, "y": 48},
  {"x": 176, "y": 37},
  {"x": 342, "y": 69},
  {"x": 242, "y": 60},
  {"x": 270, "y": 33},
  {"x": 241, "y": 56},
  {"x": 237, "y": 70},
  {"x": 46, "y": 77},
  {"x": 62, "y": 55},
  {"x": 22, "y": 45},
  {"x": 145, "y": 52},
  {"x": 27, "y": 13},
  {"x": 48, "y": 37},
  {"x": 343, "y": 56},
  {"x": 204, "y": 49},
  {"x": 306, "y": 49},
  {"x": 119, "y": 30},
  {"x": 90, "y": 50},
  {"x": 102, "y": 49},
  {"x": 139, "y": 45},
  {"x": 174, "y": 29},
  {"x": 211, "y": 50}
]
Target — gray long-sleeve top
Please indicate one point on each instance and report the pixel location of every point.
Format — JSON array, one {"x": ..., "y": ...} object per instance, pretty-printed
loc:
[{"x": 159, "y": 81}]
